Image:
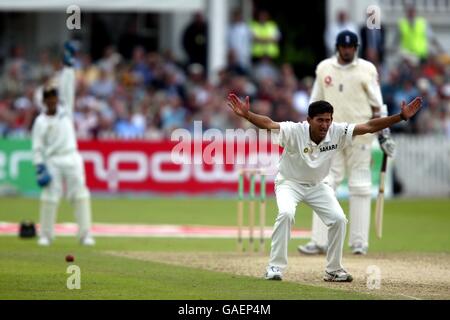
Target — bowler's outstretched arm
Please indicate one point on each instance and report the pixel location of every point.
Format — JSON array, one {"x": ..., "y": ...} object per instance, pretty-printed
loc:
[
  {"x": 243, "y": 110},
  {"x": 378, "y": 124}
]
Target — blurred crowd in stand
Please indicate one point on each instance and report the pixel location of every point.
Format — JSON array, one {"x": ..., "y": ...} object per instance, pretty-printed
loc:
[{"x": 151, "y": 93}]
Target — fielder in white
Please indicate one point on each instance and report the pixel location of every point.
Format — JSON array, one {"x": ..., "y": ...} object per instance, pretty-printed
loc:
[
  {"x": 351, "y": 85},
  {"x": 59, "y": 166},
  {"x": 309, "y": 148}
]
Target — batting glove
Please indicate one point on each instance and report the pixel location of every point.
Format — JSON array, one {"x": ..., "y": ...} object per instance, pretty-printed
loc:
[
  {"x": 386, "y": 142},
  {"x": 43, "y": 177},
  {"x": 70, "y": 48}
]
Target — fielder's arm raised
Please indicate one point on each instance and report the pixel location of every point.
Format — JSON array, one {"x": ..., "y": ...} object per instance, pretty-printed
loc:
[
  {"x": 242, "y": 109},
  {"x": 374, "y": 125},
  {"x": 66, "y": 88}
]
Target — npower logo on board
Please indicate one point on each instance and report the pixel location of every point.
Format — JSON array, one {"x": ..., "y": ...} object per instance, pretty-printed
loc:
[{"x": 109, "y": 168}]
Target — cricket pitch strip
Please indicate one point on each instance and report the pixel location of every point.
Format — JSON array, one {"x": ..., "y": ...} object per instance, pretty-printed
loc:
[{"x": 402, "y": 275}]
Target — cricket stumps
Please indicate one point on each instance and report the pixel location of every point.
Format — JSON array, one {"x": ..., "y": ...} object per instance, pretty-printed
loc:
[{"x": 252, "y": 199}]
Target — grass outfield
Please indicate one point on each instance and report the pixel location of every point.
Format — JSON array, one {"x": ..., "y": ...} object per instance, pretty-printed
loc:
[{"x": 31, "y": 272}]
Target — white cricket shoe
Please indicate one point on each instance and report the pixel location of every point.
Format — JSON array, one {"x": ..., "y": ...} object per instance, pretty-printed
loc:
[
  {"x": 311, "y": 248},
  {"x": 359, "y": 249},
  {"x": 88, "y": 241},
  {"x": 273, "y": 273},
  {"x": 44, "y": 241},
  {"x": 338, "y": 276}
]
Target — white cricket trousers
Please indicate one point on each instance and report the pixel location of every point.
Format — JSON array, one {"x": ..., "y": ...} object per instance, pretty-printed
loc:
[
  {"x": 321, "y": 199},
  {"x": 68, "y": 178}
]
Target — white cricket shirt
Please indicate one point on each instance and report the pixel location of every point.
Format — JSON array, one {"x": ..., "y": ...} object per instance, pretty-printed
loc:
[
  {"x": 55, "y": 135},
  {"x": 303, "y": 160}
]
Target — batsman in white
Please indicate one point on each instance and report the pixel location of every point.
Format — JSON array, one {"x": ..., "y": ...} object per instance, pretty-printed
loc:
[
  {"x": 351, "y": 85},
  {"x": 59, "y": 166},
  {"x": 309, "y": 148}
]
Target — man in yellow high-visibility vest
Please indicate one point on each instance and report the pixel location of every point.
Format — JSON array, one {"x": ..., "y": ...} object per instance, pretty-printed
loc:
[
  {"x": 414, "y": 34},
  {"x": 266, "y": 36}
]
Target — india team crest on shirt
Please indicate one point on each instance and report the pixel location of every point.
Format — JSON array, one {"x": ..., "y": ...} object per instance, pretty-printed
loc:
[{"x": 328, "y": 81}]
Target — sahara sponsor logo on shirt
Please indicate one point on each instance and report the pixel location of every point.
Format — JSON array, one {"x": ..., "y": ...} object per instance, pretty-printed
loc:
[{"x": 328, "y": 148}]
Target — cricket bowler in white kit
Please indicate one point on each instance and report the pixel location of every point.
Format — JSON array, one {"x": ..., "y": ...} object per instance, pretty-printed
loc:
[
  {"x": 59, "y": 166},
  {"x": 309, "y": 148},
  {"x": 351, "y": 85}
]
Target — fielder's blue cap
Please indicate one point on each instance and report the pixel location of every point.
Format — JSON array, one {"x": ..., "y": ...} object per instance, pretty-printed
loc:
[{"x": 347, "y": 38}]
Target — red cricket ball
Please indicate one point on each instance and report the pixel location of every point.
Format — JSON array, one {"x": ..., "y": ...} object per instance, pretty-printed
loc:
[{"x": 70, "y": 258}]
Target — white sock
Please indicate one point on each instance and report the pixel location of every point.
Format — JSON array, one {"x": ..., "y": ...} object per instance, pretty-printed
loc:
[
  {"x": 319, "y": 233},
  {"x": 359, "y": 219},
  {"x": 48, "y": 217},
  {"x": 82, "y": 209}
]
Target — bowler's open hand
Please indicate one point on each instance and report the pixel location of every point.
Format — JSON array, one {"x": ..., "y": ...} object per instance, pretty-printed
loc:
[
  {"x": 410, "y": 109},
  {"x": 239, "y": 107}
]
